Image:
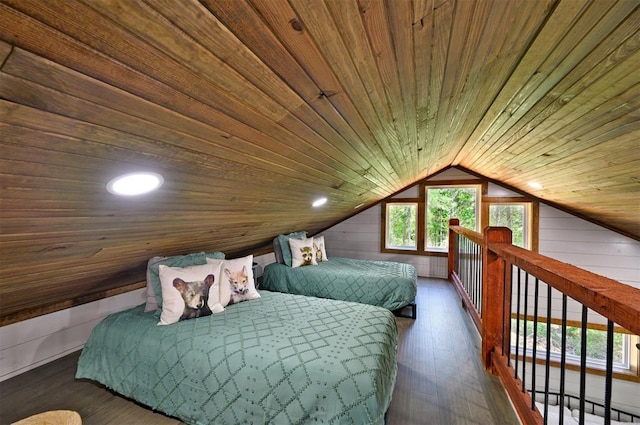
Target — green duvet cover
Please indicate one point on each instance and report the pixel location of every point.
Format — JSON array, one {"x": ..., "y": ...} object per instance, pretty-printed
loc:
[
  {"x": 279, "y": 359},
  {"x": 382, "y": 283}
]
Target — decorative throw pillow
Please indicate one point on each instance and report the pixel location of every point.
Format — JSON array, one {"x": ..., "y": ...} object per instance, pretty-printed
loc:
[
  {"x": 236, "y": 280},
  {"x": 189, "y": 292},
  {"x": 302, "y": 252},
  {"x": 319, "y": 248},
  {"x": 154, "y": 292},
  {"x": 284, "y": 245}
]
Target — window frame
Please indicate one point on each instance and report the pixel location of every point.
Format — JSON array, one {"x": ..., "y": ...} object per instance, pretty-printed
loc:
[
  {"x": 389, "y": 204},
  {"x": 421, "y": 200},
  {"x": 632, "y": 373},
  {"x": 383, "y": 235},
  {"x": 533, "y": 219},
  {"x": 481, "y": 189}
]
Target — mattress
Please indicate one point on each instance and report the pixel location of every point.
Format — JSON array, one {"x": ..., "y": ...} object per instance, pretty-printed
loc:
[
  {"x": 385, "y": 284},
  {"x": 279, "y": 359}
]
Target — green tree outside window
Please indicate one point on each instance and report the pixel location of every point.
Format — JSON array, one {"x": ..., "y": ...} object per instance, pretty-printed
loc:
[
  {"x": 444, "y": 203},
  {"x": 402, "y": 229}
]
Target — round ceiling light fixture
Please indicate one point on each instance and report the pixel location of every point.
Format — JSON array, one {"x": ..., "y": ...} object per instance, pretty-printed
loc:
[
  {"x": 535, "y": 185},
  {"x": 319, "y": 202},
  {"x": 133, "y": 184}
]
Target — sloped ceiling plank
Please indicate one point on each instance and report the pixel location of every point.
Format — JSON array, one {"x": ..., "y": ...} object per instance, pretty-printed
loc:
[
  {"x": 247, "y": 25},
  {"x": 325, "y": 33},
  {"x": 231, "y": 92},
  {"x": 290, "y": 32},
  {"x": 19, "y": 24},
  {"x": 505, "y": 109},
  {"x": 221, "y": 57},
  {"x": 494, "y": 53},
  {"x": 23, "y": 92},
  {"x": 376, "y": 23},
  {"x": 534, "y": 117},
  {"x": 348, "y": 19},
  {"x": 439, "y": 28},
  {"x": 401, "y": 27},
  {"x": 590, "y": 110},
  {"x": 125, "y": 103}
]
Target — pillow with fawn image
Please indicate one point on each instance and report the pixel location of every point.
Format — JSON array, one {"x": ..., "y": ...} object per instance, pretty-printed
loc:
[{"x": 319, "y": 248}]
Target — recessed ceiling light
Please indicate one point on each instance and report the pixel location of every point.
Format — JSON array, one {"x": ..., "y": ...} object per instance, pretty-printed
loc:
[
  {"x": 135, "y": 184},
  {"x": 319, "y": 202},
  {"x": 535, "y": 185}
]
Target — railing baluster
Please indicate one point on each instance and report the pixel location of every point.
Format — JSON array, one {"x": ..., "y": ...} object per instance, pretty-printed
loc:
[
  {"x": 583, "y": 362},
  {"x": 535, "y": 343},
  {"x": 563, "y": 356},
  {"x": 524, "y": 331},
  {"x": 608, "y": 374},
  {"x": 504, "y": 315},
  {"x": 517, "y": 323},
  {"x": 472, "y": 274},
  {"x": 508, "y": 351},
  {"x": 548, "y": 359}
]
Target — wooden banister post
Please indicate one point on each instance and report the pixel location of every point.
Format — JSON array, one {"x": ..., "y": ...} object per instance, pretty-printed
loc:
[
  {"x": 452, "y": 247},
  {"x": 493, "y": 284}
]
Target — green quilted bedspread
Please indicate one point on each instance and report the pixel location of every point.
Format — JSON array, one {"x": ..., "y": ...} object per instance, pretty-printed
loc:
[
  {"x": 383, "y": 283},
  {"x": 279, "y": 359}
]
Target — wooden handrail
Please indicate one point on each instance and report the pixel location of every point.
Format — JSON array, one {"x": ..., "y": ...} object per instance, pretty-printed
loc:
[
  {"x": 469, "y": 234},
  {"x": 614, "y": 300}
]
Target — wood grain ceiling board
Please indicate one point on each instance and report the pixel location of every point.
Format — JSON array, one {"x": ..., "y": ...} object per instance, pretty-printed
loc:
[{"x": 251, "y": 109}]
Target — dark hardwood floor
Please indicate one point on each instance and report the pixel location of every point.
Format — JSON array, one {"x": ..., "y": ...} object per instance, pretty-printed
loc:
[{"x": 440, "y": 377}]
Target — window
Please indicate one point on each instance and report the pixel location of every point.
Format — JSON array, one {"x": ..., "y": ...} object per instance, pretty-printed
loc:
[
  {"x": 624, "y": 361},
  {"x": 515, "y": 217},
  {"x": 402, "y": 225},
  {"x": 420, "y": 226},
  {"x": 518, "y": 214},
  {"x": 445, "y": 202}
]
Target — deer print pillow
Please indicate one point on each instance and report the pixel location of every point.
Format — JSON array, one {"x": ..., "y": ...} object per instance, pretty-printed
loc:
[
  {"x": 236, "y": 280},
  {"x": 319, "y": 248},
  {"x": 302, "y": 252}
]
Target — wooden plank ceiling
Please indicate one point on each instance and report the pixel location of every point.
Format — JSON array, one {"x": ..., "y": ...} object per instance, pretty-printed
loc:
[{"x": 251, "y": 109}]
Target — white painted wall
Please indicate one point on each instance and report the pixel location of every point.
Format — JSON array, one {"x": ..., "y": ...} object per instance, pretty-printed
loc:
[{"x": 34, "y": 342}]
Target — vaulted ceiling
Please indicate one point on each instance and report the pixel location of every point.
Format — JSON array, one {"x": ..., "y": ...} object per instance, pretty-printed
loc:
[{"x": 251, "y": 109}]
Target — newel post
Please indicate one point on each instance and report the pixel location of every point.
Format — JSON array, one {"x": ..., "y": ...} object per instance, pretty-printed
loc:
[
  {"x": 452, "y": 247},
  {"x": 493, "y": 285}
]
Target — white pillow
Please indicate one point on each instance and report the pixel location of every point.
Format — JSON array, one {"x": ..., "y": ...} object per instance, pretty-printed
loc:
[
  {"x": 189, "y": 292},
  {"x": 302, "y": 252},
  {"x": 236, "y": 280},
  {"x": 319, "y": 248}
]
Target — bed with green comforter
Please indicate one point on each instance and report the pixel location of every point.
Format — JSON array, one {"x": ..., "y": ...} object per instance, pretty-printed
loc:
[
  {"x": 279, "y": 359},
  {"x": 385, "y": 284}
]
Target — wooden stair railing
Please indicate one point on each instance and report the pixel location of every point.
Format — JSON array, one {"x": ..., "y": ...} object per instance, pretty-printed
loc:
[{"x": 617, "y": 302}]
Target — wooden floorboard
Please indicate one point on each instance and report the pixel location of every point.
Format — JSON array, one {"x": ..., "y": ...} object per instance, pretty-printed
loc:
[{"x": 440, "y": 377}]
